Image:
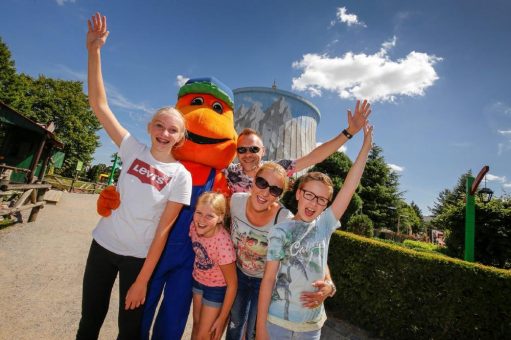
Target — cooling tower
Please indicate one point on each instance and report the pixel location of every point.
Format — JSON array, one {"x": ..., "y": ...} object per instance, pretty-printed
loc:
[{"x": 286, "y": 122}]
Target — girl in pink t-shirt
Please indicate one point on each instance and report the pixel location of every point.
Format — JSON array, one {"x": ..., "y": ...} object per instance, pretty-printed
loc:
[{"x": 214, "y": 272}]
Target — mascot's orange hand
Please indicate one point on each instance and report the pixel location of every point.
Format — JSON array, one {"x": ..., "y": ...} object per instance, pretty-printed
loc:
[{"x": 109, "y": 199}]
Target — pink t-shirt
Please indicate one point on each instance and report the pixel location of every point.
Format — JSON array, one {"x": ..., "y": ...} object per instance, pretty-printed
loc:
[{"x": 210, "y": 254}]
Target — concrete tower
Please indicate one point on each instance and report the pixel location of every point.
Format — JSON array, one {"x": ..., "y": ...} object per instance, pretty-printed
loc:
[{"x": 286, "y": 122}]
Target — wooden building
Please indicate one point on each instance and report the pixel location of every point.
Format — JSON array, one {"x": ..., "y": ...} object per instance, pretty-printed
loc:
[{"x": 25, "y": 146}]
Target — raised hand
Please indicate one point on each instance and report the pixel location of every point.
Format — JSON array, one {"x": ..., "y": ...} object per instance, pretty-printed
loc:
[
  {"x": 97, "y": 33},
  {"x": 368, "y": 135},
  {"x": 359, "y": 119}
]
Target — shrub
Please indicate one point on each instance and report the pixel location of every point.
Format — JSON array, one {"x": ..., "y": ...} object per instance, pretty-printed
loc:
[
  {"x": 421, "y": 246},
  {"x": 400, "y": 293},
  {"x": 361, "y": 225}
]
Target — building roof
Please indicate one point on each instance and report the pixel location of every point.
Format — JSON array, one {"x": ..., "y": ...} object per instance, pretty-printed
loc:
[{"x": 10, "y": 116}]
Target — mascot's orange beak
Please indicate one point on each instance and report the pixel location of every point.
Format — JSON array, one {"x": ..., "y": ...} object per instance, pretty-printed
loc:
[{"x": 211, "y": 136}]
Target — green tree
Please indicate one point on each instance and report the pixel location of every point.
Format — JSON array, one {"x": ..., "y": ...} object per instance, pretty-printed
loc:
[
  {"x": 492, "y": 233},
  {"x": 8, "y": 77},
  {"x": 46, "y": 100},
  {"x": 380, "y": 192},
  {"x": 360, "y": 225},
  {"x": 95, "y": 171},
  {"x": 409, "y": 222},
  {"x": 448, "y": 197},
  {"x": 64, "y": 103}
]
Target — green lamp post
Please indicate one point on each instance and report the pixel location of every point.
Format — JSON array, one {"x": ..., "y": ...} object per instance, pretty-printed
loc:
[
  {"x": 470, "y": 212},
  {"x": 114, "y": 166}
]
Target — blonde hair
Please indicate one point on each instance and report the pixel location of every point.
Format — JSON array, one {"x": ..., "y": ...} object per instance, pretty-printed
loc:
[
  {"x": 173, "y": 112},
  {"x": 216, "y": 201},
  {"x": 320, "y": 177},
  {"x": 278, "y": 169}
]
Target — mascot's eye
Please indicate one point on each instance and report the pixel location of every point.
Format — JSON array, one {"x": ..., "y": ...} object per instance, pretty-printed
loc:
[
  {"x": 197, "y": 101},
  {"x": 217, "y": 107}
]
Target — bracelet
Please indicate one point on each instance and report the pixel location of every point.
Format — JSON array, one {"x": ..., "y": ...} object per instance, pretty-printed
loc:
[
  {"x": 331, "y": 284},
  {"x": 347, "y": 134}
]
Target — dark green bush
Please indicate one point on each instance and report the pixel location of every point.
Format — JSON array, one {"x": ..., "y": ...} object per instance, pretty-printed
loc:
[
  {"x": 360, "y": 225},
  {"x": 400, "y": 293}
]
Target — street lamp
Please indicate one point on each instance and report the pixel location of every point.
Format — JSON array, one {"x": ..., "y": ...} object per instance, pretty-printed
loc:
[{"x": 485, "y": 193}]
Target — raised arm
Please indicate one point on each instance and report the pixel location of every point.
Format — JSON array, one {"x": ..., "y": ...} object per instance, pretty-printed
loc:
[
  {"x": 355, "y": 123},
  {"x": 96, "y": 38},
  {"x": 343, "y": 198}
]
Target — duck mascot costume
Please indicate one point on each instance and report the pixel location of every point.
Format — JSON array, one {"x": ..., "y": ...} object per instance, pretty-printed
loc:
[{"x": 207, "y": 106}]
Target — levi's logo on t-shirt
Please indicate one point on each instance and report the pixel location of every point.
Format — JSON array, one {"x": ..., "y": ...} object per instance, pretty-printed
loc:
[{"x": 147, "y": 174}]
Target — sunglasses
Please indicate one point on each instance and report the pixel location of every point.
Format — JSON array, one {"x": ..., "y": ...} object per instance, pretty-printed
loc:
[
  {"x": 262, "y": 184},
  {"x": 252, "y": 149}
]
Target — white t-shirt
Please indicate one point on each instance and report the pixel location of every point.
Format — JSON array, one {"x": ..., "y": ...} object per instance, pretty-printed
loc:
[
  {"x": 251, "y": 242},
  {"x": 145, "y": 186}
]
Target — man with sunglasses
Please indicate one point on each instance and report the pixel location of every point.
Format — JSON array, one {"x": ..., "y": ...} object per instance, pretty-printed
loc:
[{"x": 250, "y": 151}]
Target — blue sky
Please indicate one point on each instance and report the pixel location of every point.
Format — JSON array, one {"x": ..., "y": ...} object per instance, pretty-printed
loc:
[{"x": 437, "y": 72}]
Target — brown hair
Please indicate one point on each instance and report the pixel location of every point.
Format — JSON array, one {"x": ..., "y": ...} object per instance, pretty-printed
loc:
[
  {"x": 317, "y": 176},
  {"x": 276, "y": 168},
  {"x": 173, "y": 112},
  {"x": 248, "y": 132},
  {"x": 216, "y": 201}
]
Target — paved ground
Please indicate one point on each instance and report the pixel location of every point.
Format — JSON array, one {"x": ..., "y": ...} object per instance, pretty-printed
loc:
[{"x": 41, "y": 270}]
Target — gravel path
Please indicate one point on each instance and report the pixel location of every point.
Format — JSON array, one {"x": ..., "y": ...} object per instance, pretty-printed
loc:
[{"x": 41, "y": 271}]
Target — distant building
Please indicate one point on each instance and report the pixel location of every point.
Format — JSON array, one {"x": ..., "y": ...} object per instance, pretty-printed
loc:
[{"x": 286, "y": 122}]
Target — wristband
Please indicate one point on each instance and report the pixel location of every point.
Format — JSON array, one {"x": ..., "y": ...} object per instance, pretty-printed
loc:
[
  {"x": 331, "y": 284},
  {"x": 347, "y": 134}
]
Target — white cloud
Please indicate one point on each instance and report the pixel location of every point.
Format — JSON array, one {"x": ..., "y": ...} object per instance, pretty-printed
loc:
[
  {"x": 375, "y": 77},
  {"x": 76, "y": 75},
  {"x": 500, "y": 107},
  {"x": 504, "y": 132},
  {"x": 181, "y": 80},
  {"x": 396, "y": 168},
  {"x": 343, "y": 148},
  {"x": 63, "y": 2},
  {"x": 116, "y": 98},
  {"x": 493, "y": 178},
  {"x": 507, "y": 185},
  {"x": 347, "y": 18}
]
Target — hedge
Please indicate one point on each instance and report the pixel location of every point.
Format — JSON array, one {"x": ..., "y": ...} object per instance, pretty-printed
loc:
[{"x": 399, "y": 293}]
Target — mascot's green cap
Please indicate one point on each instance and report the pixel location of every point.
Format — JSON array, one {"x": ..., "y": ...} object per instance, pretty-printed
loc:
[{"x": 209, "y": 85}]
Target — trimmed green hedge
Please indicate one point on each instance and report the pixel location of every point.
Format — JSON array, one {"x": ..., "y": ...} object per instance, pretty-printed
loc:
[{"x": 400, "y": 293}]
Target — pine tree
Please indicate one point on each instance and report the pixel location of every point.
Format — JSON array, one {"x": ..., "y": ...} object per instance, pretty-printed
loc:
[
  {"x": 380, "y": 192},
  {"x": 8, "y": 75}
]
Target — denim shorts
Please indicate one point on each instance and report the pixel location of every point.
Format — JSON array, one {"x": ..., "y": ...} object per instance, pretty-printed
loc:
[{"x": 211, "y": 296}]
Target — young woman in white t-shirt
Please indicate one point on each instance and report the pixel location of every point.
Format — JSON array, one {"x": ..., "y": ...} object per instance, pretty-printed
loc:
[{"x": 153, "y": 188}]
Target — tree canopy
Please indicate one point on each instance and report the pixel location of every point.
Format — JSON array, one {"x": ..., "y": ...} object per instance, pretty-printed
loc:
[{"x": 46, "y": 100}]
